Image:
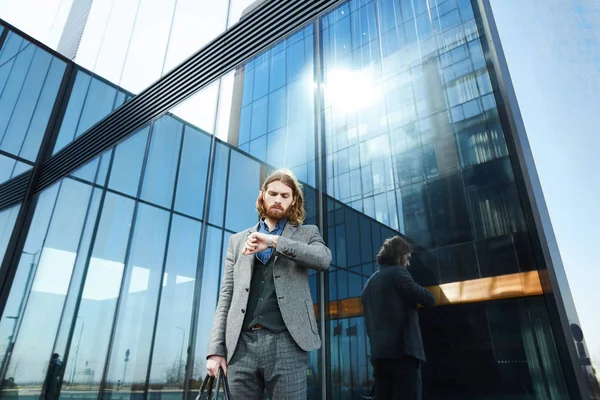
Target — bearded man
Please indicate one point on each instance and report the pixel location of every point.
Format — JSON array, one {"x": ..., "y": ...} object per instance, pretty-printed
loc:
[{"x": 264, "y": 324}]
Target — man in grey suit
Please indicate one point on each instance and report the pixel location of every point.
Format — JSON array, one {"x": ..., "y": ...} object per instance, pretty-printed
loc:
[{"x": 264, "y": 324}]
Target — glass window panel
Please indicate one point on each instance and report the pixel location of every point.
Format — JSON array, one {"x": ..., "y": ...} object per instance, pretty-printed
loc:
[
  {"x": 277, "y": 109},
  {"x": 261, "y": 80},
  {"x": 143, "y": 278},
  {"x": 258, "y": 148},
  {"x": 127, "y": 164},
  {"x": 277, "y": 70},
  {"x": 161, "y": 164},
  {"x": 209, "y": 293},
  {"x": 259, "y": 118},
  {"x": 219, "y": 184},
  {"x": 449, "y": 215},
  {"x": 8, "y": 217},
  {"x": 247, "y": 91},
  {"x": 98, "y": 103},
  {"x": 147, "y": 47},
  {"x": 245, "y": 125},
  {"x": 497, "y": 256},
  {"x": 16, "y": 80},
  {"x": 13, "y": 311},
  {"x": 74, "y": 374},
  {"x": 11, "y": 47},
  {"x": 296, "y": 61},
  {"x": 9, "y": 168},
  {"x": 243, "y": 188},
  {"x": 193, "y": 169},
  {"x": 43, "y": 109},
  {"x": 73, "y": 111},
  {"x": 49, "y": 271},
  {"x": 28, "y": 115},
  {"x": 458, "y": 263},
  {"x": 175, "y": 312},
  {"x": 101, "y": 289}
]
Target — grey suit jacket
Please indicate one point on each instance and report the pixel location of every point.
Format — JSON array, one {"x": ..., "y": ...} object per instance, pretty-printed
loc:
[{"x": 299, "y": 248}]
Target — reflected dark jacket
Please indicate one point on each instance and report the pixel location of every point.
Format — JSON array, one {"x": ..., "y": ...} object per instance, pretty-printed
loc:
[{"x": 390, "y": 300}]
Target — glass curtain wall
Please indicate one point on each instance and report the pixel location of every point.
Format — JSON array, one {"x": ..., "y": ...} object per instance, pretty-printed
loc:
[{"x": 120, "y": 272}]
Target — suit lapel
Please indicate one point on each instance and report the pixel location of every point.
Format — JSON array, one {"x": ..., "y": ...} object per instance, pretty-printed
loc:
[
  {"x": 289, "y": 230},
  {"x": 246, "y": 262}
]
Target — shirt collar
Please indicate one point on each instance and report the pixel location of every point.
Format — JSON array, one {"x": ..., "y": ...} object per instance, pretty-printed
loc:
[{"x": 280, "y": 224}]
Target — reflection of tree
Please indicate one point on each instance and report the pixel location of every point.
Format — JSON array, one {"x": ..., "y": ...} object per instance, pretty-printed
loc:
[{"x": 175, "y": 373}]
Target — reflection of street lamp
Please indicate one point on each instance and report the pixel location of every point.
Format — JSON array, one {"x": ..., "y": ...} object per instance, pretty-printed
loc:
[
  {"x": 73, "y": 372},
  {"x": 180, "y": 354},
  {"x": 125, "y": 369}
]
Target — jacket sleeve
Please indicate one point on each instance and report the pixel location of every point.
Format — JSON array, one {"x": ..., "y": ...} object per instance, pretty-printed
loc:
[
  {"x": 413, "y": 291},
  {"x": 216, "y": 343},
  {"x": 314, "y": 254}
]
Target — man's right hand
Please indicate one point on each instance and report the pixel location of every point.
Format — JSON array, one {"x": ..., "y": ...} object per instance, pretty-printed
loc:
[{"x": 213, "y": 363}]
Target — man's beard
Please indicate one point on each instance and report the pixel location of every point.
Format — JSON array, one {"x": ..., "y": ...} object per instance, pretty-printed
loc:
[{"x": 277, "y": 213}]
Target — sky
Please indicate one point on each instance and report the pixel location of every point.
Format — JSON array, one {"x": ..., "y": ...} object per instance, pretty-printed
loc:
[{"x": 552, "y": 48}]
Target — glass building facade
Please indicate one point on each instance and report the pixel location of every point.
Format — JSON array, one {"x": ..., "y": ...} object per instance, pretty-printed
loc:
[{"x": 388, "y": 112}]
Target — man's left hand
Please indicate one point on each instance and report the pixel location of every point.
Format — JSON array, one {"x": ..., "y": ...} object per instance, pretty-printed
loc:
[{"x": 258, "y": 242}]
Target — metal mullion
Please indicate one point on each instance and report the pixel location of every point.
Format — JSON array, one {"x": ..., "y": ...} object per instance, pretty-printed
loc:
[
  {"x": 3, "y": 35},
  {"x": 102, "y": 385},
  {"x": 164, "y": 267},
  {"x": 15, "y": 157}
]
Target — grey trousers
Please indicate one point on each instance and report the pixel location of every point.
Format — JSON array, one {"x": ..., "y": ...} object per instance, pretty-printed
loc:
[{"x": 265, "y": 360}]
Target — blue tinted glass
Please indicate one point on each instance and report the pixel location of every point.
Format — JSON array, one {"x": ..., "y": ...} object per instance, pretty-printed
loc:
[
  {"x": 261, "y": 80},
  {"x": 176, "y": 301},
  {"x": 277, "y": 74},
  {"x": 295, "y": 61},
  {"x": 98, "y": 103},
  {"x": 244, "y": 184},
  {"x": 218, "y": 186},
  {"x": 245, "y": 125},
  {"x": 53, "y": 265},
  {"x": 11, "y": 47},
  {"x": 8, "y": 217},
  {"x": 247, "y": 91},
  {"x": 127, "y": 164},
  {"x": 13, "y": 87},
  {"x": 73, "y": 112},
  {"x": 276, "y": 148},
  {"x": 161, "y": 165},
  {"x": 259, "y": 118},
  {"x": 258, "y": 148},
  {"x": 211, "y": 268},
  {"x": 43, "y": 109},
  {"x": 193, "y": 169},
  {"x": 277, "y": 109},
  {"x": 138, "y": 301},
  {"x": 25, "y": 104}
]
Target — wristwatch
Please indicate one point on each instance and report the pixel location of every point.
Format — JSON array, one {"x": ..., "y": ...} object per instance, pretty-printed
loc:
[{"x": 270, "y": 241}]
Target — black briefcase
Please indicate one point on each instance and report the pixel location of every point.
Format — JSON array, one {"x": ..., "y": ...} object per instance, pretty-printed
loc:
[{"x": 210, "y": 383}]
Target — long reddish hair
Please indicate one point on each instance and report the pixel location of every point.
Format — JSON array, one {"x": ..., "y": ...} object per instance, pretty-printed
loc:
[{"x": 296, "y": 213}]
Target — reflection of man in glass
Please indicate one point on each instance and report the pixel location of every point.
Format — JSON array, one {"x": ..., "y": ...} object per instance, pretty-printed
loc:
[
  {"x": 264, "y": 324},
  {"x": 390, "y": 300}
]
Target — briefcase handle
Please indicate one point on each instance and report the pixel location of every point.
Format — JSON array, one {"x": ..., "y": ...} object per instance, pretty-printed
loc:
[{"x": 208, "y": 384}]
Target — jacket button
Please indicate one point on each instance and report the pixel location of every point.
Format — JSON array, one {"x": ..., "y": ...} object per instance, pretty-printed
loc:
[
  {"x": 243, "y": 311},
  {"x": 246, "y": 291}
]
